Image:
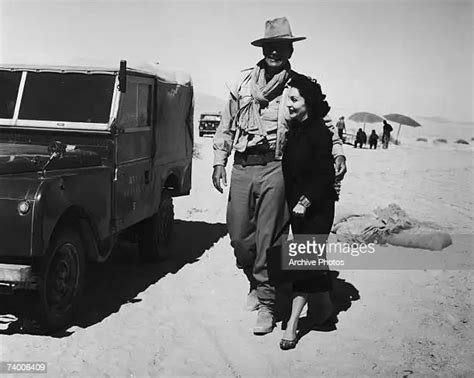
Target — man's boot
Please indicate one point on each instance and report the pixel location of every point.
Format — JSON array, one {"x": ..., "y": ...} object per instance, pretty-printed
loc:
[{"x": 265, "y": 321}]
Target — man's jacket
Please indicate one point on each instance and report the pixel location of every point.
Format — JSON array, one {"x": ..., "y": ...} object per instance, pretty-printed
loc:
[{"x": 227, "y": 138}]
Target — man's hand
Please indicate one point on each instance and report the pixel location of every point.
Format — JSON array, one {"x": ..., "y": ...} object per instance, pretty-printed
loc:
[
  {"x": 299, "y": 210},
  {"x": 340, "y": 166},
  {"x": 217, "y": 175}
]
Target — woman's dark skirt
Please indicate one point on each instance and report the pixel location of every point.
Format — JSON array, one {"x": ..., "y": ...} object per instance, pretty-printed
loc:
[{"x": 318, "y": 221}]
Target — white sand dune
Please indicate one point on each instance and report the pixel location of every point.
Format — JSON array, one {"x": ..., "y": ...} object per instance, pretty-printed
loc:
[{"x": 185, "y": 316}]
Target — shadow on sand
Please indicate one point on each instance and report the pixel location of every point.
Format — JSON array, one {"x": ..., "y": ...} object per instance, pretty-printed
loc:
[
  {"x": 124, "y": 276},
  {"x": 342, "y": 295}
]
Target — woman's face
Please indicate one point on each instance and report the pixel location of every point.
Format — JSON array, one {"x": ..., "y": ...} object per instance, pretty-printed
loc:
[{"x": 296, "y": 105}]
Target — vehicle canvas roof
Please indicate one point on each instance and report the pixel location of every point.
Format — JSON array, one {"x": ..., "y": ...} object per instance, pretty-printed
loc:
[{"x": 175, "y": 77}]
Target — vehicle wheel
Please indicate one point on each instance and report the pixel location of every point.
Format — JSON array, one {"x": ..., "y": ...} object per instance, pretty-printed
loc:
[
  {"x": 201, "y": 134},
  {"x": 61, "y": 280},
  {"x": 156, "y": 230}
]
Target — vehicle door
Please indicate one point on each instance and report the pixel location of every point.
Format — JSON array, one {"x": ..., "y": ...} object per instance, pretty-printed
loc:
[{"x": 133, "y": 152}]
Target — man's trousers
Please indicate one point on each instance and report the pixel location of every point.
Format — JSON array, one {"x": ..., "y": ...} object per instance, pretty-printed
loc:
[{"x": 256, "y": 212}]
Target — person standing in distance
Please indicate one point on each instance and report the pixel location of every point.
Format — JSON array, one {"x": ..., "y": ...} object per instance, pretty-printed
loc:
[
  {"x": 341, "y": 127},
  {"x": 387, "y": 129}
]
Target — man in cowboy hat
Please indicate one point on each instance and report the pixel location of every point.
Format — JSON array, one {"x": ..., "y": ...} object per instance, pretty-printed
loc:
[{"x": 254, "y": 124}]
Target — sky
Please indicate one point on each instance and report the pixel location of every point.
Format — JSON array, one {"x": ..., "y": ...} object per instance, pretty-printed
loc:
[{"x": 387, "y": 56}]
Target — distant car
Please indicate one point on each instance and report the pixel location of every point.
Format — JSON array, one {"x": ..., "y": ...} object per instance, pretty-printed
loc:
[{"x": 208, "y": 123}]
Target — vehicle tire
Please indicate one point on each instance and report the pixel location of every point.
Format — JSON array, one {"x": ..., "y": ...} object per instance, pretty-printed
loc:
[
  {"x": 200, "y": 134},
  {"x": 156, "y": 231},
  {"x": 61, "y": 280}
]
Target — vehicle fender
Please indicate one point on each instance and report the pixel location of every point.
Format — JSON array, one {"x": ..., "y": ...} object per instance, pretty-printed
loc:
[{"x": 71, "y": 196}]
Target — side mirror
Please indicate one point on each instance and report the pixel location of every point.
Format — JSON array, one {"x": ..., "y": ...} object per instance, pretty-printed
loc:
[
  {"x": 57, "y": 149},
  {"x": 123, "y": 76}
]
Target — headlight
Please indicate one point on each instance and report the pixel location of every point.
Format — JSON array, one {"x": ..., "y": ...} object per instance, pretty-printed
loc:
[{"x": 24, "y": 207}]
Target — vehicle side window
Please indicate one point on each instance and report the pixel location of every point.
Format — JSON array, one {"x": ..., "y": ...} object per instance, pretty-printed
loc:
[{"x": 136, "y": 106}]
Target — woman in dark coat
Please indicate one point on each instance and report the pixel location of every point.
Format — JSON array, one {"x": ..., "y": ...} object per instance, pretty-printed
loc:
[{"x": 308, "y": 169}]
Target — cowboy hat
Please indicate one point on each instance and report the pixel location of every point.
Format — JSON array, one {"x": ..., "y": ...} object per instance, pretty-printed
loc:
[{"x": 277, "y": 30}]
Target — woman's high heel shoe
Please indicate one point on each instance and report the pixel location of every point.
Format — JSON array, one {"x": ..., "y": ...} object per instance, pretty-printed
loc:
[{"x": 288, "y": 344}]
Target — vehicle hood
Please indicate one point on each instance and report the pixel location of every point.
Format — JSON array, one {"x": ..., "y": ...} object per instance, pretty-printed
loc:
[{"x": 22, "y": 158}]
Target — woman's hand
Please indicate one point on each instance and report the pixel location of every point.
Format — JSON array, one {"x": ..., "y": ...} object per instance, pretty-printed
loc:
[{"x": 299, "y": 210}]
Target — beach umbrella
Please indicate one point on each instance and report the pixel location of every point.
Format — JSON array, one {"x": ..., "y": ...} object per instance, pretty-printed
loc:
[
  {"x": 365, "y": 117},
  {"x": 401, "y": 120}
]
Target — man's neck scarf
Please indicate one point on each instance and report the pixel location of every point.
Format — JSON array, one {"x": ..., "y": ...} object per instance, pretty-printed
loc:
[{"x": 248, "y": 116}]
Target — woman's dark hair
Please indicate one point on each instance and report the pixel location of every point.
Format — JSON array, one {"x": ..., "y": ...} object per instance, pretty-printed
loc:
[{"x": 314, "y": 98}]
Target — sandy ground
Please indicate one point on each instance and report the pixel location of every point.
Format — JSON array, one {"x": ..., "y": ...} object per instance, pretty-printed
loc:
[{"x": 185, "y": 316}]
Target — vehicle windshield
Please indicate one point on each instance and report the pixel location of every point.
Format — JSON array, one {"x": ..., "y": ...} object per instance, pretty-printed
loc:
[
  {"x": 211, "y": 117},
  {"x": 71, "y": 97},
  {"x": 9, "y": 84},
  {"x": 66, "y": 97}
]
